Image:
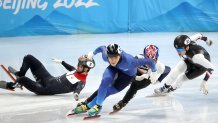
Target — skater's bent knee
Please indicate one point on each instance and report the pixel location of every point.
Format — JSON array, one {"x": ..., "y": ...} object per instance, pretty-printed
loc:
[{"x": 28, "y": 56}]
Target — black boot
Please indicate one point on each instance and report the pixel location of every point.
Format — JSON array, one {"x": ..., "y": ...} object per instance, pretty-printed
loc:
[
  {"x": 13, "y": 85},
  {"x": 119, "y": 105},
  {"x": 15, "y": 72}
]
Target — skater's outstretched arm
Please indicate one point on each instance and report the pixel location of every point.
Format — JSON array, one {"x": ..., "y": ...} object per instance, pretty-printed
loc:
[
  {"x": 101, "y": 49},
  {"x": 201, "y": 37},
  {"x": 67, "y": 66}
]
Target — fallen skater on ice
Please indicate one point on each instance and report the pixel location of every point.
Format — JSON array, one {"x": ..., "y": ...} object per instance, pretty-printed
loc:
[{"x": 45, "y": 83}]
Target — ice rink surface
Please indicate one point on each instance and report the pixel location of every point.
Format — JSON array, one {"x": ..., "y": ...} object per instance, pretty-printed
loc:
[{"x": 185, "y": 105}]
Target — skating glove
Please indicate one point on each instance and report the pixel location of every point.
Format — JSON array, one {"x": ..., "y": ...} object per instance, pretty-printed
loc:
[
  {"x": 204, "y": 87},
  {"x": 140, "y": 78},
  {"x": 209, "y": 42},
  {"x": 90, "y": 55},
  {"x": 76, "y": 96},
  {"x": 153, "y": 77},
  {"x": 58, "y": 61}
]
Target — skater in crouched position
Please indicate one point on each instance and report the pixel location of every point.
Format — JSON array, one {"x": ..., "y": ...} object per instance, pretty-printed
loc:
[
  {"x": 116, "y": 77},
  {"x": 46, "y": 84},
  {"x": 142, "y": 79},
  {"x": 196, "y": 62}
]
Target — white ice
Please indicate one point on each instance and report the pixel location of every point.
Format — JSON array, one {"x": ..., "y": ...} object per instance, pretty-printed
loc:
[{"x": 187, "y": 104}]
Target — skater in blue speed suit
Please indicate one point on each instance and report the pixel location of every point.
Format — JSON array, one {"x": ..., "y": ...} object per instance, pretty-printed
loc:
[{"x": 116, "y": 77}]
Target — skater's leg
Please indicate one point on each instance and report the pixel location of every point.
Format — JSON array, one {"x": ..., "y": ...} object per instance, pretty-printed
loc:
[
  {"x": 89, "y": 99},
  {"x": 195, "y": 72},
  {"x": 165, "y": 73},
  {"x": 180, "y": 68},
  {"x": 122, "y": 81},
  {"x": 32, "y": 86},
  {"x": 94, "y": 104},
  {"x": 180, "y": 80},
  {"x": 107, "y": 79},
  {"x": 134, "y": 87},
  {"x": 192, "y": 72},
  {"x": 119, "y": 84},
  {"x": 110, "y": 90},
  {"x": 36, "y": 67}
]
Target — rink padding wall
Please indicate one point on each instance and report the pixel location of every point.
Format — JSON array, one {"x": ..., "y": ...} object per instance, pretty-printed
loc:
[{"x": 55, "y": 17}]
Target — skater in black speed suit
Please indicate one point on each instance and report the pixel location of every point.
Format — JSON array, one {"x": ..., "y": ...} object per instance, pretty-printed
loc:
[
  {"x": 46, "y": 84},
  {"x": 142, "y": 79},
  {"x": 196, "y": 61}
]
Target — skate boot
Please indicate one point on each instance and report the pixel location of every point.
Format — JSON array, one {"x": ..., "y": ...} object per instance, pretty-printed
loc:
[
  {"x": 82, "y": 108},
  {"x": 13, "y": 85},
  {"x": 163, "y": 90},
  {"x": 94, "y": 111},
  {"x": 119, "y": 105},
  {"x": 14, "y": 72},
  {"x": 81, "y": 103},
  {"x": 8, "y": 85}
]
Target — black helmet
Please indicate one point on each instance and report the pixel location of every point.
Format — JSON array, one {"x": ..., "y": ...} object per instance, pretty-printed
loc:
[
  {"x": 182, "y": 41},
  {"x": 113, "y": 50},
  {"x": 86, "y": 62}
]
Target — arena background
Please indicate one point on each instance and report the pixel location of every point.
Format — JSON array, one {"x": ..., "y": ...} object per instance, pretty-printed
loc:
[{"x": 67, "y": 29}]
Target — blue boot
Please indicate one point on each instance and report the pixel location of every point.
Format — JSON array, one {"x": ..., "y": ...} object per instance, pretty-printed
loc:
[{"x": 95, "y": 110}]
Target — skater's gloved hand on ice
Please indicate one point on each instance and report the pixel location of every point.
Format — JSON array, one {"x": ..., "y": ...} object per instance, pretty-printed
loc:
[
  {"x": 154, "y": 77},
  {"x": 90, "y": 55},
  {"x": 58, "y": 61},
  {"x": 204, "y": 87},
  {"x": 143, "y": 76}
]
